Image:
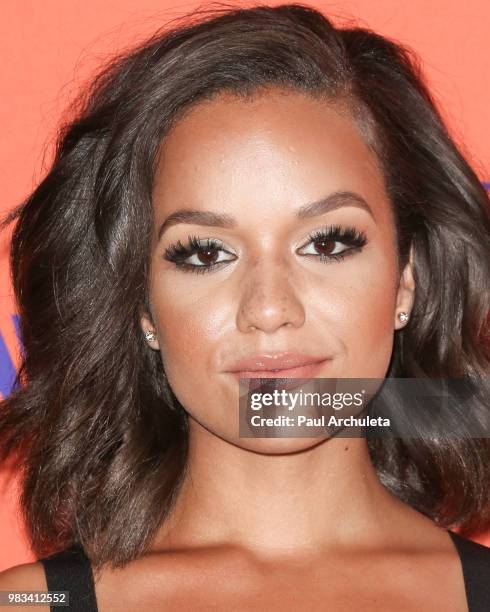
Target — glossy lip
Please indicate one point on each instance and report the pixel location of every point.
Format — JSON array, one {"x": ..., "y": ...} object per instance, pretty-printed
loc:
[
  {"x": 278, "y": 365},
  {"x": 277, "y": 360},
  {"x": 287, "y": 379}
]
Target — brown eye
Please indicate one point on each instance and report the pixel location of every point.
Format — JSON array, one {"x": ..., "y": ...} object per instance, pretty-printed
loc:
[
  {"x": 333, "y": 243},
  {"x": 207, "y": 255},
  {"x": 324, "y": 246},
  {"x": 198, "y": 255}
]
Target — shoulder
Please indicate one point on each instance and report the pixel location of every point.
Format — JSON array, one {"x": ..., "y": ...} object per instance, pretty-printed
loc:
[
  {"x": 25, "y": 577},
  {"x": 28, "y": 576},
  {"x": 33, "y": 576},
  {"x": 67, "y": 570}
]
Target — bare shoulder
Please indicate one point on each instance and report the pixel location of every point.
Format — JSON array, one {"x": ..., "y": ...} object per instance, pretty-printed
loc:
[
  {"x": 28, "y": 576},
  {"x": 25, "y": 577}
]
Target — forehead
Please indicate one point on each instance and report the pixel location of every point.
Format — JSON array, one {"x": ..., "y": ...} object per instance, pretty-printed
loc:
[{"x": 275, "y": 149}]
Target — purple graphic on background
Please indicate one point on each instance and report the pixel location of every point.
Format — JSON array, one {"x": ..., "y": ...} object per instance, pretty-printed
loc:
[{"x": 7, "y": 369}]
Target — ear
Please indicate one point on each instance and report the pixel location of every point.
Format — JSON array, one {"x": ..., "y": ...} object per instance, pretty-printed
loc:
[
  {"x": 147, "y": 325},
  {"x": 406, "y": 292}
]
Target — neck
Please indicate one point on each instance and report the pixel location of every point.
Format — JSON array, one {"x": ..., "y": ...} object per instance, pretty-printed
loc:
[{"x": 326, "y": 496}]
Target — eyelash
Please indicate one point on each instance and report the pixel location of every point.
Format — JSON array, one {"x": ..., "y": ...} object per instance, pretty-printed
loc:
[{"x": 177, "y": 253}]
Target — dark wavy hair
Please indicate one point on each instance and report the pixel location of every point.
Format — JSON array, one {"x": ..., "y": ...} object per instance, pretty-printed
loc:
[{"x": 100, "y": 438}]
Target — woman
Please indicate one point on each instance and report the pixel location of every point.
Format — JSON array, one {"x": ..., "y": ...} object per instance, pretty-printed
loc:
[{"x": 252, "y": 191}]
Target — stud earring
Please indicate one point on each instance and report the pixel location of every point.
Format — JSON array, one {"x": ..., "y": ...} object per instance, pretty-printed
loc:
[
  {"x": 403, "y": 317},
  {"x": 150, "y": 336}
]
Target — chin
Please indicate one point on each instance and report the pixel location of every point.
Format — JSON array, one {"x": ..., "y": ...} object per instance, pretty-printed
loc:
[{"x": 277, "y": 446}]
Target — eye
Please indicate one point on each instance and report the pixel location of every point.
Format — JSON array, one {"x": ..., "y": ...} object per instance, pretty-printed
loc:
[
  {"x": 198, "y": 255},
  {"x": 333, "y": 243}
]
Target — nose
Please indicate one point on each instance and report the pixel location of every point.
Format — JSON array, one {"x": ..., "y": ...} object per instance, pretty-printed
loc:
[{"x": 268, "y": 301}]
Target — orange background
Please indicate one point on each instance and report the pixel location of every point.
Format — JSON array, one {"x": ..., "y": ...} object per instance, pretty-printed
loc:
[{"x": 50, "y": 48}]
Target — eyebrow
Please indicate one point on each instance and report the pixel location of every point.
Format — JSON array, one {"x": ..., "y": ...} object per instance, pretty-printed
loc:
[{"x": 335, "y": 200}]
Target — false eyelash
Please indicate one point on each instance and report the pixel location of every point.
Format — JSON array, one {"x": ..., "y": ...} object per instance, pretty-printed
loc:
[
  {"x": 350, "y": 236},
  {"x": 178, "y": 253}
]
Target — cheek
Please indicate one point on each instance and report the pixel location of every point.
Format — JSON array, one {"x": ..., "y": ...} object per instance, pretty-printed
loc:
[
  {"x": 186, "y": 335},
  {"x": 371, "y": 336},
  {"x": 362, "y": 320},
  {"x": 189, "y": 329}
]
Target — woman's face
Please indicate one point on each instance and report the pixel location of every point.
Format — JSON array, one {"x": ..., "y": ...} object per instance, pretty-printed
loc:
[{"x": 248, "y": 170}]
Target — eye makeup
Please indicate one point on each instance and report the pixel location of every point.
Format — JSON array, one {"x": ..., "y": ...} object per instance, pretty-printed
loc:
[{"x": 205, "y": 252}]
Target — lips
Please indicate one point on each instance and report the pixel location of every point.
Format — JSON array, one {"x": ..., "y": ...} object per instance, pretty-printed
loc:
[{"x": 278, "y": 365}]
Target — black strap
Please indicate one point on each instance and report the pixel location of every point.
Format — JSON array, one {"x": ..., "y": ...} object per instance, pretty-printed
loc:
[
  {"x": 70, "y": 570},
  {"x": 475, "y": 560}
]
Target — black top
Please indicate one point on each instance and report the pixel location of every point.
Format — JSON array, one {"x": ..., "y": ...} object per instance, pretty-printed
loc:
[{"x": 70, "y": 570}]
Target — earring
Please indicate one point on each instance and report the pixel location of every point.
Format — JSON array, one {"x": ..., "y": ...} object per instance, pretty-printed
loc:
[
  {"x": 403, "y": 317},
  {"x": 150, "y": 336}
]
